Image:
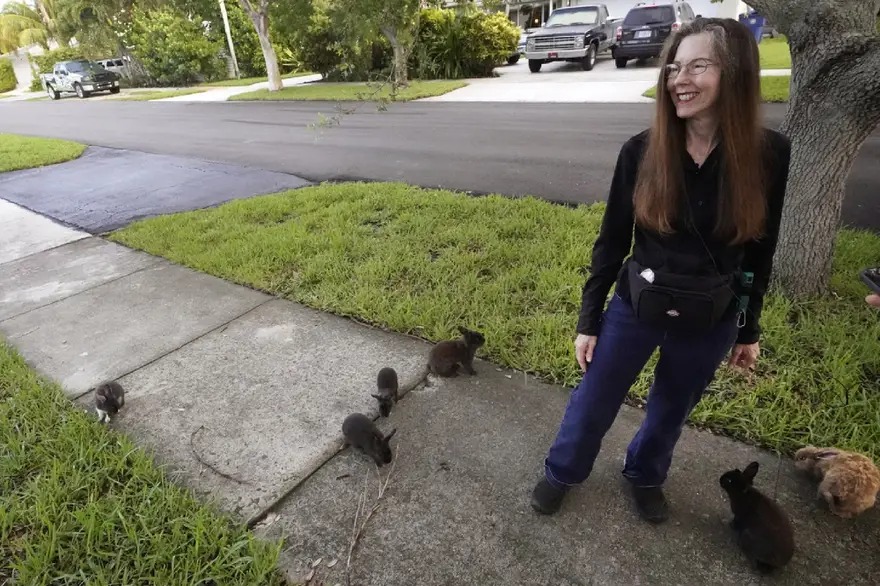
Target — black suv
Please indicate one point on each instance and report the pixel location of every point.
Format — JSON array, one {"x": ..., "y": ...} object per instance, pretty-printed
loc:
[{"x": 646, "y": 27}]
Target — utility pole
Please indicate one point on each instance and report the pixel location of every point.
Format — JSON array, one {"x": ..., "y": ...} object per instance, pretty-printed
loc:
[{"x": 229, "y": 38}]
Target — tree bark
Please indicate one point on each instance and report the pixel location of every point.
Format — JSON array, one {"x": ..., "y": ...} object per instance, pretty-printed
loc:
[
  {"x": 401, "y": 56},
  {"x": 260, "y": 19},
  {"x": 834, "y": 105}
]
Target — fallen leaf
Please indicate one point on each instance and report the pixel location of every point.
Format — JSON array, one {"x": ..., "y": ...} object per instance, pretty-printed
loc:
[
  {"x": 310, "y": 576},
  {"x": 317, "y": 562},
  {"x": 508, "y": 376},
  {"x": 333, "y": 563}
]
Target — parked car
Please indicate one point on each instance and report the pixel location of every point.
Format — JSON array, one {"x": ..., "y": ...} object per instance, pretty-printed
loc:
[
  {"x": 81, "y": 77},
  {"x": 646, "y": 27},
  {"x": 520, "y": 49},
  {"x": 576, "y": 34},
  {"x": 118, "y": 65}
]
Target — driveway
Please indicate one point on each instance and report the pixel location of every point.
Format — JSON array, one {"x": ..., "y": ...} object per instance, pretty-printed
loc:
[
  {"x": 560, "y": 82},
  {"x": 567, "y": 83},
  {"x": 106, "y": 189}
]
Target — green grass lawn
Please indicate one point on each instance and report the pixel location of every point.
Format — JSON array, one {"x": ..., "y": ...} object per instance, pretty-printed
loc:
[
  {"x": 249, "y": 80},
  {"x": 774, "y": 53},
  {"x": 774, "y": 88},
  {"x": 23, "y": 152},
  {"x": 326, "y": 91},
  {"x": 157, "y": 95},
  {"x": 426, "y": 261},
  {"x": 81, "y": 504}
]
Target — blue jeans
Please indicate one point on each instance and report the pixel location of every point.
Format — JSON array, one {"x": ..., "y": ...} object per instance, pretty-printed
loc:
[{"x": 686, "y": 366}]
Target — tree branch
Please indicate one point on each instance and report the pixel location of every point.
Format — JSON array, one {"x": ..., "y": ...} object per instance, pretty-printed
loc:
[{"x": 249, "y": 7}]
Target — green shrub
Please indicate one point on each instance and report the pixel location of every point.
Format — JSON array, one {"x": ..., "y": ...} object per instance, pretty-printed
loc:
[
  {"x": 468, "y": 43},
  {"x": 8, "y": 80},
  {"x": 492, "y": 38},
  {"x": 175, "y": 50},
  {"x": 439, "y": 50},
  {"x": 317, "y": 46},
  {"x": 44, "y": 63}
]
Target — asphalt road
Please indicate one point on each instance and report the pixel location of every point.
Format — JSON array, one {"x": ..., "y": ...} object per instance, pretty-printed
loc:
[
  {"x": 561, "y": 152},
  {"x": 114, "y": 187}
]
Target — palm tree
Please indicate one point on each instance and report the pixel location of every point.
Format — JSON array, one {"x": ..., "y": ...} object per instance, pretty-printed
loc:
[{"x": 23, "y": 24}]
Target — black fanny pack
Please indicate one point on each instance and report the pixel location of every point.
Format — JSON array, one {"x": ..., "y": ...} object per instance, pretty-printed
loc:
[{"x": 680, "y": 302}]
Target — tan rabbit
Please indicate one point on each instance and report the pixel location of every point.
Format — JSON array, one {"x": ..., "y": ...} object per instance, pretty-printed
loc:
[{"x": 849, "y": 482}]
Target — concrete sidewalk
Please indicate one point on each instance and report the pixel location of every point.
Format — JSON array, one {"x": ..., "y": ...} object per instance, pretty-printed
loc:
[
  {"x": 242, "y": 396},
  {"x": 222, "y": 94}
]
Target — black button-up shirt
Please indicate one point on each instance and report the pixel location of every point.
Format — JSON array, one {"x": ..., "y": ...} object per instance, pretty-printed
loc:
[{"x": 683, "y": 252}]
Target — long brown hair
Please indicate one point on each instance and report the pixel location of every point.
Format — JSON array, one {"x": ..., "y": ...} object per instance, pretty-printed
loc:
[{"x": 659, "y": 190}]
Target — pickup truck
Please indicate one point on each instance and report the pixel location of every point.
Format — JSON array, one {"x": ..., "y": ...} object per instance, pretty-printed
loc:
[
  {"x": 576, "y": 34},
  {"x": 81, "y": 77}
]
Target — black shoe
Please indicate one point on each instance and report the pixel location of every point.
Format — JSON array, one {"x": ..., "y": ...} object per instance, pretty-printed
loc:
[
  {"x": 651, "y": 504},
  {"x": 546, "y": 498}
]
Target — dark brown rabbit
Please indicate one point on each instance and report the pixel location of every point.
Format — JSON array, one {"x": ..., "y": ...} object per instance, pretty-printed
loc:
[
  {"x": 360, "y": 432},
  {"x": 387, "y": 384},
  {"x": 445, "y": 357},
  {"x": 764, "y": 531},
  {"x": 109, "y": 399}
]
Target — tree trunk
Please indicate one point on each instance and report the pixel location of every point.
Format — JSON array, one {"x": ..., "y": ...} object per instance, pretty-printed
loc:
[
  {"x": 50, "y": 25},
  {"x": 834, "y": 106},
  {"x": 260, "y": 19},
  {"x": 401, "y": 54},
  {"x": 44, "y": 14},
  {"x": 826, "y": 136}
]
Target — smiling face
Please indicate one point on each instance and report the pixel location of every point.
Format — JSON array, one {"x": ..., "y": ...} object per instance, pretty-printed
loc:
[{"x": 694, "y": 77}]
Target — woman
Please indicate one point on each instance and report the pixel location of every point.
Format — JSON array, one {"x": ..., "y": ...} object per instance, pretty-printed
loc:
[{"x": 702, "y": 192}]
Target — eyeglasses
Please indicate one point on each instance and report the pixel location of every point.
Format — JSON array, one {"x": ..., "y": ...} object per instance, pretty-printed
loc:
[{"x": 695, "y": 67}]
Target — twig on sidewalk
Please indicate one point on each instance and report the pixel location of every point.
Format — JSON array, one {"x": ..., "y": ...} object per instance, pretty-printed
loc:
[
  {"x": 201, "y": 460},
  {"x": 357, "y": 531}
]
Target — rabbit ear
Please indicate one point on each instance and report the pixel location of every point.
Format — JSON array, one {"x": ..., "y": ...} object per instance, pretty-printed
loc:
[
  {"x": 750, "y": 471},
  {"x": 462, "y": 330},
  {"x": 390, "y": 435}
]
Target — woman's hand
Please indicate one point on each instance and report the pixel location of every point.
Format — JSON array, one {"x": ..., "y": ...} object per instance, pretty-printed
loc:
[
  {"x": 583, "y": 349},
  {"x": 744, "y": 356}
]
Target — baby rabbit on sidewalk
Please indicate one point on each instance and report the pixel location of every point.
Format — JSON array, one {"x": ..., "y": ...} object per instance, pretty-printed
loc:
[
  {"x": 361, "y": 433},
  {"x": 764, "y": 531}
]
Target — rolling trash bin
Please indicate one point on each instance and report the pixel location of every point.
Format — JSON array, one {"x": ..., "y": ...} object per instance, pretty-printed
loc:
[{"x": 755, "y": 22}]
